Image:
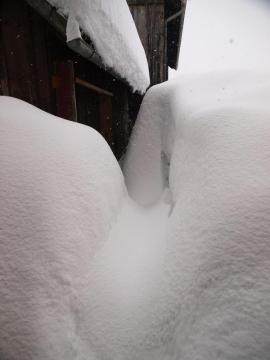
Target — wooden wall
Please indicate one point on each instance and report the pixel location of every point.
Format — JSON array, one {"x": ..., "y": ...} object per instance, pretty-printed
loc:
[
  {"x": 149, "y": 18},
  {"x": 37, "y": 66},
  {"x": 24, "y": 69}
]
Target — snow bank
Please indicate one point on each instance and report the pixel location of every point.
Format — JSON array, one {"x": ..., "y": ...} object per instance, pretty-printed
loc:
[
  {"x": 110, "y": 26},
  {"x": 60, "y": 192},
  {"x": 213, "y": 293},
  {"x": 186, "y": 280},
  {"x": 165, "y": 110}
]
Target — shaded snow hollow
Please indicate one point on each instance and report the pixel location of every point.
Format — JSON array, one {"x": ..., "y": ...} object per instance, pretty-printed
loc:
[
  {"x": 88, "y": 274},
  {"x": 110, "y": 26}
]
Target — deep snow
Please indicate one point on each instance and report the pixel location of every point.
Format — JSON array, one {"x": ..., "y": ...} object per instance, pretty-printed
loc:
[
  {"x": 110, "y": 26},
  {"x": 60, "y": 191},
  {"x": 86, "y": 273},
  {"x": 213, "y": 293}
]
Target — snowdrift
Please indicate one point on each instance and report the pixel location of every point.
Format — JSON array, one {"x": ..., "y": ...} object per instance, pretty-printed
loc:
[
  {"x": 60, "y": 191},
  {"x": 86, "y": 273},
  {"x": 110, "y": 26},
  {"x": 214, "y": 289}
]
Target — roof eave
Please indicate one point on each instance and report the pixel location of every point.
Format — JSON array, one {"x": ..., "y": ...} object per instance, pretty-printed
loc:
[
  {"x": 179, "y": 16},
  {"x": 78, "y": 45}
]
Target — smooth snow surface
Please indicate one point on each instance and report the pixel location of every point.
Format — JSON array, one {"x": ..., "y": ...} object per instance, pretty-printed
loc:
[
  {"x": 110, "y": 26},
  {"x": 88, "y": 274},
  {"x": 60, "y": 191},
  {"x": 212, "y": 300}
]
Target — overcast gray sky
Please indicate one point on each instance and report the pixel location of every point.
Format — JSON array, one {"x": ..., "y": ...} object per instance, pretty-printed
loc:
[{"x": 222, "y": 34}]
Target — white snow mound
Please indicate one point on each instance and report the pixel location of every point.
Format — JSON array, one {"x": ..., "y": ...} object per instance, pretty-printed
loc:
[
  {"x": 213, "y": 295},
  {"x": 185, "y": 279},
  {"x": 110, "y": 26},
  {"x": 60, "y": 191}
]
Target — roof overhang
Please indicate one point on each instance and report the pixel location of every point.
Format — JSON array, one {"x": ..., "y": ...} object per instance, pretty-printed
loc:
[
  {"x": 83, "y": 47},
  {"x": 174, "y": 22}
]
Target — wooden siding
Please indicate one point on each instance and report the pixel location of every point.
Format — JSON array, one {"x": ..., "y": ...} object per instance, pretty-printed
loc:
[
  {"x": 159, "y": 32},
  {"x": 65, "y": 91},
  {"x": 23, "y": 65},
  {"x": 34, "y": 67},
  {"x": 149, "y": 18}
]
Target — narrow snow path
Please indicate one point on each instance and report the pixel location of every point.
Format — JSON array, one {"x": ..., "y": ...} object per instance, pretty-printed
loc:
[{"x": 131, "y": 256}]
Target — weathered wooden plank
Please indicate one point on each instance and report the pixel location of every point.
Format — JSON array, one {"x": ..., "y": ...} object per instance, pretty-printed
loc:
[
  {"x": 18, "y": 49},
  {"x": 42, "y": 72},
  {"x": 157, "y": 43},
  {"x": 4, "y": 90},
  {"x": 122, "y": 122},
  {"x": 87, "y": 103},
  {"x": 92, "y": 87},
  {"x": 149, "y": 19},
  {"x": 106, "y": 121},
  {"x": 65, "y": 91},
  {"x": 49, "y": 13}
]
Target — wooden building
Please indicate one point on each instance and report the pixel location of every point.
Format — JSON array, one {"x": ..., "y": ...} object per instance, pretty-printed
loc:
[
  {"x": 69, "y": 80},
  {"x": 160, "y": 24}
]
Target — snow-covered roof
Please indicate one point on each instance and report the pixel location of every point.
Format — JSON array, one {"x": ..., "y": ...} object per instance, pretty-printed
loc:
[{"x": 110, "y": 26}]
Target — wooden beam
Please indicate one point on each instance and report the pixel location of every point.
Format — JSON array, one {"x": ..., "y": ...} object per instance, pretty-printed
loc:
[
  {"x": 82, "y": 47},
  {"x": 92, "y": 87},
  {"x": 175, "y": 16}
]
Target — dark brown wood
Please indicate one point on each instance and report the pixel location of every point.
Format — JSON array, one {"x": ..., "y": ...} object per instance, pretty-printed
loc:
[
  {"x": 50, "y": 14},
  {"x": 87, "y": 102},
  {"x": 43, "y": 80},
  {"x": 161, "y": 38},
  {"x": 106, "y": 120},
  {"x": 65, "y": 92},
  {"x": 19, "y": 57},
  {"x": 24, "y": 69},
  {"x": 92, "y": 87},
  {"x": 4, "y": 90},
  {"x": 126, "y": 106},
  {"x": 149, "y": 18},
  {"x": 37, "y": 66}
]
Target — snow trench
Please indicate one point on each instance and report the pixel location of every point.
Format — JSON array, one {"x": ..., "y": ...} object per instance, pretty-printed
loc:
[{"x": 175, "y": 268}]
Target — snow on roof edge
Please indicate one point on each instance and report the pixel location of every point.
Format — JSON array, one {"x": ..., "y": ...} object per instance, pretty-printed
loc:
[{"x": 111, "y": 28}]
